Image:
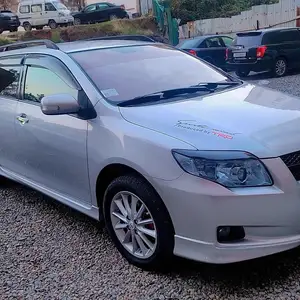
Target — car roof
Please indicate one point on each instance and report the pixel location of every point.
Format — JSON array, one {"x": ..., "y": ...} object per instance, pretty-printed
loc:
[
  {"x": 266, "y": 30},
  {"x": 78, "y": 46}
]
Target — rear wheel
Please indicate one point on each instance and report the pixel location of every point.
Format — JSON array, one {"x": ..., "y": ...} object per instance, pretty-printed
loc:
[
  {"x": 14, "y": 29},
  {"x": 242, "y": 73},
  {"x": 27, "y": 26},
  {"x": 52, "y": 24},
  {"x": 138, "y": 222},
  {"x": 280, "y": 67}
]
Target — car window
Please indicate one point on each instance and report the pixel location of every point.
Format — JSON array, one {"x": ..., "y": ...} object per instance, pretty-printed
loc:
[
  {"x": 36, "y": 8},
  {"x": 213, "y": 43},
  {"x": 188, "y": 44},
  {"x": 288, "y": 36},
  {"x": 9, "y": 80},
  {"x": 49, "y": 7},
  {"x": 102, "y": 6},
  {"x": 227, "y": 40},
  {"x": 248, "y": 39},
  {"x": 42, "y": 82},
  {"x": 91, "y": 8},
  {"x": 124, "y": 73},
  {"x": 24, "y": 9}
]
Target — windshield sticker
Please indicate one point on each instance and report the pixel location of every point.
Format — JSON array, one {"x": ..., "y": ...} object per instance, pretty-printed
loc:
[
  {"x": 195, "y": 126},
  {"x": 110, "y": 93}
]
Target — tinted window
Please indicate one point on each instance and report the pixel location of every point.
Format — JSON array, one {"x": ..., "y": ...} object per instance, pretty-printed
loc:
[
  {"x": 188, "y": 44},
  {"x": 288, "y": 36},
  {"x": 128, "y": 72},
  {"x": 227, "y": 40},
  {"x": 9, "y": 80},
  {"x": 49, "y": 7},
  {"x": 213, "y": 43},
  {"x": 102, "y": 6},
  {"x": 24, "y": 9},
  {"x": 250, "y": 39},
  {"x": 41, "y": 82},
  {"x": 36, "y": 8},
  {"x": 91, "y": 8}
]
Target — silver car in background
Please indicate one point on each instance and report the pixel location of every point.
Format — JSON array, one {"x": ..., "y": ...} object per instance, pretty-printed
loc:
[{"x": 176, "y": 156}]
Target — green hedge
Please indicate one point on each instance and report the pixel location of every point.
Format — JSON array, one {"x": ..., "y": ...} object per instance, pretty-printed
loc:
[{"x": 143, "y": 26}]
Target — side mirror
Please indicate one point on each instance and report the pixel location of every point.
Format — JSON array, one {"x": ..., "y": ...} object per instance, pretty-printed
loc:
[{"x": 59, "y": 104}]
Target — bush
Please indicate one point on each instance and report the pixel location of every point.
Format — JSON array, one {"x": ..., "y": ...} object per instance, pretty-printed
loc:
[{"x": 4, "y": 41}]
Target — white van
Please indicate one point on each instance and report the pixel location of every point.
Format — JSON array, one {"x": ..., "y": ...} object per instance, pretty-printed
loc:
[{"x": 40, "y": 13}]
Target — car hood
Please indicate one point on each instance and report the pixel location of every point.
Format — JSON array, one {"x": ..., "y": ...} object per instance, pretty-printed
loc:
[{"x": 259, "y": 120}]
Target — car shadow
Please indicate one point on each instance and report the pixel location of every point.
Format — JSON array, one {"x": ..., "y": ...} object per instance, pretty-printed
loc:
[{"x": 267, "y": 75}]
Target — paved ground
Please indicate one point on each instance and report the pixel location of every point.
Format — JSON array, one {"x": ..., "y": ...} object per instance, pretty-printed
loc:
[{"x": 48, "y": 251}]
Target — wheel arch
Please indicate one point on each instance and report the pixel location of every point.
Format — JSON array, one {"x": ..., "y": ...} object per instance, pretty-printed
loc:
[{"x": 113, "y": 171}]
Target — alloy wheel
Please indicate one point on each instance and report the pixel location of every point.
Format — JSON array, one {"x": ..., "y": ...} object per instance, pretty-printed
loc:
[
  {"x": 280, "y": 67},
  {"x": 133, "y": 225}
]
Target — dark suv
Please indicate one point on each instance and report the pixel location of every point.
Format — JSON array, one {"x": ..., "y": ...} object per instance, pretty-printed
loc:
[
  {"x": 274, "y": 50},
  {"x": 8, "y": 21},
  {"x": 99, "y": 12}
]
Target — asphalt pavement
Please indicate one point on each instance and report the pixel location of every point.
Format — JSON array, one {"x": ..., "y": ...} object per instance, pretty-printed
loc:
[{"x": 48, "y": 251}]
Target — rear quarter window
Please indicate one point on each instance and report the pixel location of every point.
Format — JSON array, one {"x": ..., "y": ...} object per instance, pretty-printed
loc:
[{"x": 190, "y": 44}]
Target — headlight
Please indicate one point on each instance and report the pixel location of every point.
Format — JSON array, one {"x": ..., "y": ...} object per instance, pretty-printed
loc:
[
  {"x": 231, "y": 169},
  {"x": 61, "y": 14}
]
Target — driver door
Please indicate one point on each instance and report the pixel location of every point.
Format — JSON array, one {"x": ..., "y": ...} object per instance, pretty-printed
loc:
[{"x": 52, "y": 149}]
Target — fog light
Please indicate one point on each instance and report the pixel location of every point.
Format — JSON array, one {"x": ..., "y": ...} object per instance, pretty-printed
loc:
[{"x": 227, "y": 234}]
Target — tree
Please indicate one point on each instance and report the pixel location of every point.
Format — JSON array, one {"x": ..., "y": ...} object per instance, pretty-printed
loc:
[
  {"x": 191, "y": 10},
  {"x": 8, "y": 4}
]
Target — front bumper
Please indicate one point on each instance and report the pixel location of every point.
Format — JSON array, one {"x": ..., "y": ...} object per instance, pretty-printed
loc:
[
  {"x": 66, "y": 20},
  {"x": 270, "y": 216},
  {"x": 11, "y": 25}
]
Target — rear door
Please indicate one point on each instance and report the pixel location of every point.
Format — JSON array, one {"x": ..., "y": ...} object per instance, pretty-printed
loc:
[
  {"x": 10, "y": 73},
  {"x": 288, "y": 45},
  {"x": 214, "y": 51}
]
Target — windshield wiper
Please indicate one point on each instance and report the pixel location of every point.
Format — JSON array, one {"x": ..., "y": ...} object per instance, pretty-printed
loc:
[
  {"x": 215, "y": 85},
  {"x": 167, "y": 94}
]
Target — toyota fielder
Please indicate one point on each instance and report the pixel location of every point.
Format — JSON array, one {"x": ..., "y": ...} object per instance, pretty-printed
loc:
[{"x": 175, "y": 155}]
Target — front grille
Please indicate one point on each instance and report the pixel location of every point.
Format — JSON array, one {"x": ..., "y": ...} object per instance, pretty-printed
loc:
[{"x": 292, "y": 161}]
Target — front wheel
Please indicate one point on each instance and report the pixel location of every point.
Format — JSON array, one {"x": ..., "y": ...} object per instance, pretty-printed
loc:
[
  {"x": 280, "y": 67},
  {"x": 113, "y": 17},
  {"x": 138, "y": 222},
  {"x": 27, "y": 27},
  {"x": 241, "y": 73}
]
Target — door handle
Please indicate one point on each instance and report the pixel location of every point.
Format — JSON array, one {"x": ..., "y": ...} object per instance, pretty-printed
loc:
[{"x": 22, "y": 118}]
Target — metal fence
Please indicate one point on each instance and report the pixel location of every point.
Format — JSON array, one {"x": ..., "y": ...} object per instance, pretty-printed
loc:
[{"x": 283, "y": 14}]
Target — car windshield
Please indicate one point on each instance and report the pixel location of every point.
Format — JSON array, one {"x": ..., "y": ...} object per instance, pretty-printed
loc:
[
  {"x": 124, "y": 73},
  {"x": 59, "y": 6}
]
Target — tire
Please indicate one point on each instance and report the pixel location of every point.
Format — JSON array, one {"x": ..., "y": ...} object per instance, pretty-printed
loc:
[
  {"x": 160, "y": 248},
  {"x": 27, "y": 26},
  {"x": 77, "y": 21},
  {"x": 113, "y": 17},
  {"x": 14, "y": 29},
  {"x": 1, "y": 31},
  {"x": 241, "y": 73},
  {"x": 52, "y": 24},
  {"x": 280, "y": 67}
]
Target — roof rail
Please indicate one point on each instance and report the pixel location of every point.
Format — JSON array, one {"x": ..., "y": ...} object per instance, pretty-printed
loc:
[
  {"x": 142, "y": 38},
  {"x": 19, "y": 45}
]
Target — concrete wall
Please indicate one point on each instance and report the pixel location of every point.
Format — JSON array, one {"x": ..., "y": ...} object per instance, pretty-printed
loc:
[{"x": 268, "y": 15}]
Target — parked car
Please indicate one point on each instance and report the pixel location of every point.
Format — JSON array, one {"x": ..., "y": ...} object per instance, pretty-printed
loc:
[
  {"x": 100, "y": 12},
  {"x": 275, "y": 50},
  {"x": 210, "y": 48},
  {"x": 175, "y": 155},
  {"x": 40, "y": 13},
  {"x": 8, "y": 21}
]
